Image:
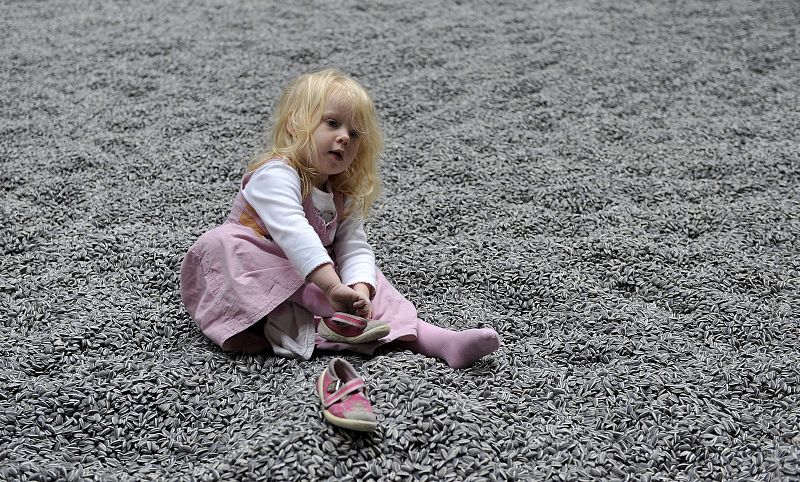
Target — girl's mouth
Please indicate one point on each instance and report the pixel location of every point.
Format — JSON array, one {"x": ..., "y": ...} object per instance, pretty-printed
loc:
[{"x": 337, "y": 155}]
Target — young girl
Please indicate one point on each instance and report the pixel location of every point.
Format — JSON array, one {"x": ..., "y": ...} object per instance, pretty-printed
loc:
[{"x": 293, "y": 251}]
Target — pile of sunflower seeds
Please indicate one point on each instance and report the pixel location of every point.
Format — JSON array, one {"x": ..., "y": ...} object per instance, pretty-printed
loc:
[{"x": 612, "y": 186}]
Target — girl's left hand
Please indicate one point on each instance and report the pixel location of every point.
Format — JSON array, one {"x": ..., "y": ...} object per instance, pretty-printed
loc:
[{"x": 363, "y": 308}]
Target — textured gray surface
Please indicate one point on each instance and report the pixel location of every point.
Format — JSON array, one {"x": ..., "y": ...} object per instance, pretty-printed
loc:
[{"x": 612, "y": 185}]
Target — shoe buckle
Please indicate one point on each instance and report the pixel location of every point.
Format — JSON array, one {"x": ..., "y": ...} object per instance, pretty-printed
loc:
[{"x": 334, "y": 385}]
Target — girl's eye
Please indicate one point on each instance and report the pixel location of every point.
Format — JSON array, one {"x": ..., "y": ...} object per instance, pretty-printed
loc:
[
  {"x": 353, "y": 134},
  {"x": 332, "y": 123}
]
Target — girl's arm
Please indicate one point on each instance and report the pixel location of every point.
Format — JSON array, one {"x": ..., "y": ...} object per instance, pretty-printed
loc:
[
  {"x": 274, "y": 193},
  {"x": 354, "y": 256}
]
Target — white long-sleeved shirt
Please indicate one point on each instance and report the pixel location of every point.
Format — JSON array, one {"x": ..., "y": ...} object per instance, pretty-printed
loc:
[{"x": 274, "y": 192}]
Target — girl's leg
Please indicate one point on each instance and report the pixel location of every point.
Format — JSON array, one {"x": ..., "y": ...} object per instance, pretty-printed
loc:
[{"x": 459, "y": 349}]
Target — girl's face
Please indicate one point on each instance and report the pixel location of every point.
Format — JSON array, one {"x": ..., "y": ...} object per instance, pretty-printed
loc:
[{"x": 336, "y": 140}]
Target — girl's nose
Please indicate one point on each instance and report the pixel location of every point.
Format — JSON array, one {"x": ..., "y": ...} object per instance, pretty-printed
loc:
[{"x": 343, "y": 137}]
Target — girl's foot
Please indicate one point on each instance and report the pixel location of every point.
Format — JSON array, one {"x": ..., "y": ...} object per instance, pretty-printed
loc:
[{"x": 459, "y": 349}]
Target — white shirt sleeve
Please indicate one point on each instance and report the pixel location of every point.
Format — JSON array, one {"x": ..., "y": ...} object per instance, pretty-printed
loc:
[
  {"x": 354, "y": 255},
  {"x": 274, "y": 192}
]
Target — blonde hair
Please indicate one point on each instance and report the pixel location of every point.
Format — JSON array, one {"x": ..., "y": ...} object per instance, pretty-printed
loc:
[{"x": 300, "y": 111}]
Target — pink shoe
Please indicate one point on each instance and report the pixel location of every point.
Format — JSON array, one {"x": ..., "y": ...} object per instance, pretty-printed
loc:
[
  {"x": 347, "y": 328},
  {"x": 344, "y": 401}
]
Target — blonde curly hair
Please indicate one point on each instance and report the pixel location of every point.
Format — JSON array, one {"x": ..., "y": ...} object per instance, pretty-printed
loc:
[{"x": 300, "y": 111}]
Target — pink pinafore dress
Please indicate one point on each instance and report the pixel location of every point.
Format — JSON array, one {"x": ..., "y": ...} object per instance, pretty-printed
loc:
[{"x": 234, "y": 275}]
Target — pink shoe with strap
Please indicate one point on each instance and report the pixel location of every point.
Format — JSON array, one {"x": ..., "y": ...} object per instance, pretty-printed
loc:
[
  {"x": 352, "y": 329},
  {"x": 343, "y": 396}
]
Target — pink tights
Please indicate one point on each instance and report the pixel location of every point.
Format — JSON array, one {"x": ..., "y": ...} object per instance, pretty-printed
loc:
[{"x": 459, "y": 349}]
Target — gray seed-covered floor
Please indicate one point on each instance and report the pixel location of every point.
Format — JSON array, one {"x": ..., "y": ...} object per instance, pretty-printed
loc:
[{"x": 612, "y": 185}]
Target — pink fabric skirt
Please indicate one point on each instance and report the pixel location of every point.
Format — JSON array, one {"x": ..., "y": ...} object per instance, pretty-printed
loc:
[{"x": 232, "y": 278}]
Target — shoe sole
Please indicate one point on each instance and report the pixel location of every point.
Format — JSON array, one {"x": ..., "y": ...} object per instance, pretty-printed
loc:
[
  {"x": 357, "y": 425},
  {"x": 368, "y": 336}
]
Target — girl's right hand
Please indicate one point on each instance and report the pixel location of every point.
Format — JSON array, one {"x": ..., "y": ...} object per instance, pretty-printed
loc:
[{"x": 347, "y": 300}]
